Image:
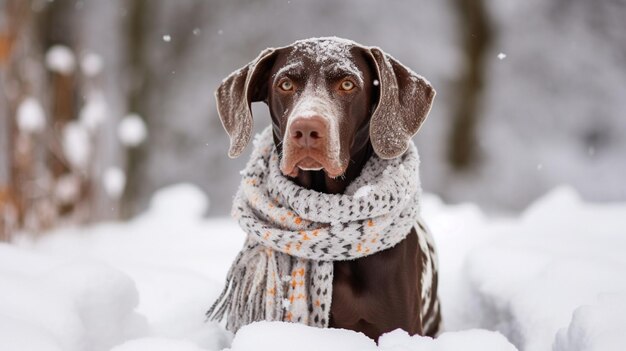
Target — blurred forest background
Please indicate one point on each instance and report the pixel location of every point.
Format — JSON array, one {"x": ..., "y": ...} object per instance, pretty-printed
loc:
[{"x": 103, "y": 102}]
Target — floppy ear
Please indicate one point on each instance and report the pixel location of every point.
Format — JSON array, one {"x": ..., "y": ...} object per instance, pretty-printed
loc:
[
  {"x": 404, "y": 102},
  {"x": 235, "y": 95}
]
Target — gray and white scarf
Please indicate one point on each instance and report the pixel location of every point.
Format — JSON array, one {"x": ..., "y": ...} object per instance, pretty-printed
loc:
[{"x": 285, "y": 270}]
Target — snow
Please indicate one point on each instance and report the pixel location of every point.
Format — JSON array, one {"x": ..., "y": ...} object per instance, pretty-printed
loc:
[
  {"x": 157, "y": 344},
  {"x": 56, "y": 303},
  {"x": 167, "y": 38},
  {"x": 67, "y": 188},
  {"x": 114, "y": 181},
  {"x": 132, "y": 130},
  {"x": 467, "y": 340},
  {"x": 94, "y": 112},
  {"x": 76, "y": 144},
  {"x": 363, "y": 191},
  {"x": 559, "y": 255},
  {"x": 60, "y": 59},
  {"x": 278, "y": 336},
  {"x": 292, "y": 68},
  {"x": 331, "y": 52},
  {"x": 284, "y": 336},
  {"x": 171, "y": 260},
  {"x": 31, "y": 117},
  {"x": 551, "y": 278},
  {"x": 501, "y": 56},
  {"x": 596, "y": 327},
  {"x": 182, "y": 200},
  {"x": 91, "y": 64}
]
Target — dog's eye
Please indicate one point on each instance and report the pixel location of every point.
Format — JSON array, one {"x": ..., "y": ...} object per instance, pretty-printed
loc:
[
  {"x": 347, "y": 85},
  {"x": 286, "y": 85}
]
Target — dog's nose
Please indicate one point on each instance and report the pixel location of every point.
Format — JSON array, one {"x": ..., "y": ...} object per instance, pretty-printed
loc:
[{"x": 308, "y": 131}]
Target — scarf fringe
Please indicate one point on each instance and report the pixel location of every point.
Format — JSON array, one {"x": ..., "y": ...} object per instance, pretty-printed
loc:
[{"x": 257, "y": 268}]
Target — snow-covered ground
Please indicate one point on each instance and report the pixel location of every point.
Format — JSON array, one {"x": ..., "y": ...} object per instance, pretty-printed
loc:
[{"x": 552, "y": 279}]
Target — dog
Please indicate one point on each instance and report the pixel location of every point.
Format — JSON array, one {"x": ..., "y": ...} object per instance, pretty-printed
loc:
[{"x": 333, "y": 104}]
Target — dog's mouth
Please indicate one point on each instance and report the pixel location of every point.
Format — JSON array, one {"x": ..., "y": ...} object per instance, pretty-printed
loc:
[
  {"x": 309, "y": 164},
  {"x": 292, "y": 165}
]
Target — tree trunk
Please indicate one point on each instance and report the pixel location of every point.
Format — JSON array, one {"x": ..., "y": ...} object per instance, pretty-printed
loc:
[
  {"x": 476, "y": 36},
  {"x": 13, "y": 52}
]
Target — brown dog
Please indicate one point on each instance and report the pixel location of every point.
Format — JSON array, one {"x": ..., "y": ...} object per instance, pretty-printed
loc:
[{"x": 333, "y": 104}]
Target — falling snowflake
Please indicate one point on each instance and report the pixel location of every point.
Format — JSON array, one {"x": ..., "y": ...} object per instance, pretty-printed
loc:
[
  {"x": 167, "y": 38},
  {"x": 114, "y": 181},
  {"x": 501, "y": 56},
  {"x": 91, "y": 64},
  {"x": 286, "y": 303},
  {"x": 363, "y": 191},
  {"x": 67, "y": 189},
  {"x": 591, "y": 151},
  {"x": 76, "y": 145},
  {"x": 132, "y": 130},
  {"x": 60, "y": 59},
  {"x": 31, "y": 116},
  {"x": 94, "y": 113}
]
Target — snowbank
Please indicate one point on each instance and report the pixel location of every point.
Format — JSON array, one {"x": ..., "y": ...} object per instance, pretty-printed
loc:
[
  {"x": 64, "y": 304},
  {"x": 175, "y": 259},
  {"x": 561, "y": 254},
  {"x": 550, "y": 279},
  {"x": 596, "y": 327},
  {"x": 278, "y": 336}
]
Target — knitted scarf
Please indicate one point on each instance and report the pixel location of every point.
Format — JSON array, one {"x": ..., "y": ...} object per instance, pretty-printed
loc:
[{"x": 285, "y": 270}]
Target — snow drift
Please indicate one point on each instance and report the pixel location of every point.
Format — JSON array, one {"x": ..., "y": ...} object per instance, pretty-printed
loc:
[{"x": 550, "y": 279}]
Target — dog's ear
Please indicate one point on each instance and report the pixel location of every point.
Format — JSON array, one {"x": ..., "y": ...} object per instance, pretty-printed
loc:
[
  {"x": 405, "y": 99},
  {"x": 235, "y": 95}
]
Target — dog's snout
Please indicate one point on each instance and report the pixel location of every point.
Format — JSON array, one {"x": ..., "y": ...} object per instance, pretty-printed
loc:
[{"x": 308, "y": 131}]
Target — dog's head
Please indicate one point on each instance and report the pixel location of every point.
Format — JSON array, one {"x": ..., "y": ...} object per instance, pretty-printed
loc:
[{"x": 328, "y": 98}]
